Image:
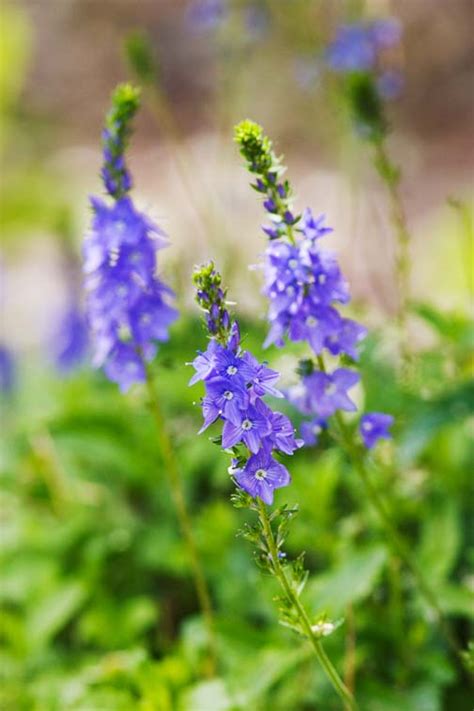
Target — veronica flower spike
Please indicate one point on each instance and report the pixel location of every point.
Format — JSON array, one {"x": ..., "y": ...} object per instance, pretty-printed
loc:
[
  {"x": 305, "y": 288},
  {"x": 367, "y": 77},
  {"x": 130, "y": 309},
  {"x": 255, "y": 437}
]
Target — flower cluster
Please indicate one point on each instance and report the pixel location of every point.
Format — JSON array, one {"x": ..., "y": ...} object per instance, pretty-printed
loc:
[
  {"x": 358, "y": 54},
  {"x": 235, "y": 383},
  {"x": 209, "y": 15},
  {"x": 303, "y": 283},
  {"x": 357, "y": 49},
  {"x": 128, "y": 307}
]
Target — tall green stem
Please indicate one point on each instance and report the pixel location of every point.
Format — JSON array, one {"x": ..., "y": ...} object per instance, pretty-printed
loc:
[
  {"x": 175, "y": 482},
  {"x": 391, "y": 178},
  {"x": 394, "y": 537},
  {"x": 280, "y": 573}
]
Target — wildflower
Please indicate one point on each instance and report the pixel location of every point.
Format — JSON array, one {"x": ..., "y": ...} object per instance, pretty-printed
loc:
[
  {"x": 128, "y": 307},
  {"x": 205, "y": 15},
  {"x": 7, "y": 371},
  {"x": 235, "y": 382},
  {"x": 323, "y": 393},
  {"x": 356, "y": 47},
  {"x": 312, "y": 429},
  {"x": 359, "y": 54},
  {"x": 261, "y": 475},
  {"x": 374, "y": 426},
  {"x": 305, "y": 288},
  {"x": 70, "y": 340}
]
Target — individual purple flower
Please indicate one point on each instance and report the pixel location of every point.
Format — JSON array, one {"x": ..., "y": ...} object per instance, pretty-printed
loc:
[
  {"x": 353, "y": 49},
  {"x": 324, "y": 393},
  {"x": 262, "y": 379},
  {"x": 253, "y": 426},
  {"x": 70, "y": 341},
  {"x": 205, "y": 15},
  {"x": 314, "y": 228},
  {"x": 311, "y": 430},
  {"x": 7, "y": 370},
  {"x": 261, "y": 475},
  {"x": 225, "y": 397},
  {"x": 124, "y": 366},
  {"x": 282, "y": 434},
  {"x": 205, "y": 363},
  {"x": 374, "y": 426},
  {"x": 346, "y": 338}
]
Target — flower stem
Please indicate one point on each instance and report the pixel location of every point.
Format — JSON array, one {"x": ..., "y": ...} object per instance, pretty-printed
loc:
[
  {"x": 175, "y": 482},
  {"x": 391, "y": 179},
  {"x": 398, "y": 543},
  {"x": 279, "y": 570}
]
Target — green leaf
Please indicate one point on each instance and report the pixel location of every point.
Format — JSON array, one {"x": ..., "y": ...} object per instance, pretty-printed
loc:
[
  {"x": 207, "y": 696},
  {"x": 54, "y": 611},
  {"x": 349, "y": 582},
  {"x": 453, "y": 327},
  {"x": 440, "y": 541}
]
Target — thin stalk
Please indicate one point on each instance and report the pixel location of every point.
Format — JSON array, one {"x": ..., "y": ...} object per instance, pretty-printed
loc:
[
  {"x": 390, "y": 177},
  {"x": 394, "y": 537},
  {"x": 328, "y": 668},
  {"x": 349, "y": 666},
  {"x": 175, "y": 482}
]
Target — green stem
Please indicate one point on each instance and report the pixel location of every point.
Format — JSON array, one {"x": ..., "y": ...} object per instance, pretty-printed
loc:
[
  {"x": 175, "y": 482},
  {"x": 330, "y": 671},
  {"x": 389, "y": 174},
  {"x": 393, "y": 535}
]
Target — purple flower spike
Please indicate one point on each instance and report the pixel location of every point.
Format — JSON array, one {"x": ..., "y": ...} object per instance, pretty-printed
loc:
[
  {"x": 235, "y": 383},
  {"x": 128, "y": 307},
  {"x": 262, "y": 475},
  {"x": 374, "y": 426}
]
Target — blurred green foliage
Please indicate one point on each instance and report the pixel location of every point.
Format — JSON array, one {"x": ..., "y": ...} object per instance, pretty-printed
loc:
[
  {"x": 98, "y": 605},
  {"x": 98, "y": 611}
]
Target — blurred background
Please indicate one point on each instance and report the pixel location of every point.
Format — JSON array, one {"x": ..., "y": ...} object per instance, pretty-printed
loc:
[
  {"x": 99, "y": 611},
  {"x": 256, "y": 60}
]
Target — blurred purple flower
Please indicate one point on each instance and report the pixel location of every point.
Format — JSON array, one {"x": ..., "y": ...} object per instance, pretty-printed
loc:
[
  {"x": 70, "y": 340},
  {"x": 7, "y": 371},
  {"x": 205, "y": 15},
  {"x": 390, "y": 84},
  {"x": 311, "y": 430},
  {"x": 374, "y": 426}
]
